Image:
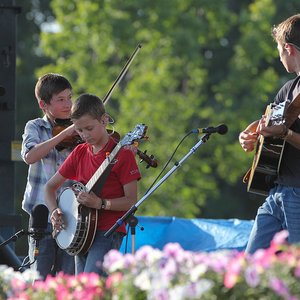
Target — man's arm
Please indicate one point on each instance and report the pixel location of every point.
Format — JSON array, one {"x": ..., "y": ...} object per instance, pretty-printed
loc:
[{"x": 248, "y": 136}]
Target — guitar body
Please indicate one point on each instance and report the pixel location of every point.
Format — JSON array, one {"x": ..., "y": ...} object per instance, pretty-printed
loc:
[
  {"x": 268, "y": 154},
  {"x": 80, "y": 224},
  {"x": 265, "y": 166}
]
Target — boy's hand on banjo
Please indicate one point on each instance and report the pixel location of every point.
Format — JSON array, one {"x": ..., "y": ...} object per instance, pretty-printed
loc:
[
  {"x": 57, "y": 220},
  {"x": 89, "y": 200}
]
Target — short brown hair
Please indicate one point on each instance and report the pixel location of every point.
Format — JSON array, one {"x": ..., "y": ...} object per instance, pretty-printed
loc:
[
  {"x": 50, "y": 84},
  {"x": 88, "y": 104},
  {"x": 288, "y": 31}
]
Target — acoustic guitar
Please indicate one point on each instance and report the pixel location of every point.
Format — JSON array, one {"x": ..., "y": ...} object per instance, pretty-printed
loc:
[{"x": 267, "y": 159}]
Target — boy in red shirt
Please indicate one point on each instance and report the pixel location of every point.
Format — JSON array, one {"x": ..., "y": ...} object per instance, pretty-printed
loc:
[{"x": 119, "y": 191}]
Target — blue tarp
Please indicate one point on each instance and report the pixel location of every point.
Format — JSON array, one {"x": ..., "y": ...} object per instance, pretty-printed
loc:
[{"x": 192, "y": 234}]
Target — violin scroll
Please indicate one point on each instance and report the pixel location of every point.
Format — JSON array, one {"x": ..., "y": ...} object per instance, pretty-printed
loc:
[{"x": 150, "y": 160}]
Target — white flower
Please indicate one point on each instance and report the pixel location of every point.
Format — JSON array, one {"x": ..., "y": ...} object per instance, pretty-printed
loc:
[{"x": 143, "y": 281}]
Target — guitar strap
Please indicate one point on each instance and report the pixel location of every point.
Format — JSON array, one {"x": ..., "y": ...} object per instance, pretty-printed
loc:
[
  {"x": 292, "y": 111},
  {"x": 97, "y": 187},
  {"x": 100, "y": 182}
]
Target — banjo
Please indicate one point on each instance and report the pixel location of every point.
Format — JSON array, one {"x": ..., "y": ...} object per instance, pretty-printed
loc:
[{"x": 80, "y": 222}]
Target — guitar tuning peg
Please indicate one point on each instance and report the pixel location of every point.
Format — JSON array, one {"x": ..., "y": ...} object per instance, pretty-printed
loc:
[
  {"x": 151, "y": 162},
  {"x": 143, "y": 156}
]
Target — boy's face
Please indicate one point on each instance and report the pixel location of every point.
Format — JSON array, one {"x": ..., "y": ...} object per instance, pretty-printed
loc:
[
  {"x": 60, "y": 105},
  {"x": 91, "y": 130}
]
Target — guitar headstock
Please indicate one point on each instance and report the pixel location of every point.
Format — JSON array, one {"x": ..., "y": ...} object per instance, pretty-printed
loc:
[
  {"x": 136, "y": 135},
  {"x": 277, "y": 113}
]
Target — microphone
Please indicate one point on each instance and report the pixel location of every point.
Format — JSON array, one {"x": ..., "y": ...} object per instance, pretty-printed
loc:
[
  {"x": 221, "y": 129},
  {"x": 39, "y": 225},
  {"x": 39, "y": 221}
]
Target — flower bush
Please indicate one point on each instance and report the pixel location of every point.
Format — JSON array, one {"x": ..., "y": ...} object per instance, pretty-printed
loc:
[{"x": 172, "y": 273}]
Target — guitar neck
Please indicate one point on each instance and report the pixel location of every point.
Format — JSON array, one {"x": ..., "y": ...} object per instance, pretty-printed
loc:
[{"x": 104, "y": 166}]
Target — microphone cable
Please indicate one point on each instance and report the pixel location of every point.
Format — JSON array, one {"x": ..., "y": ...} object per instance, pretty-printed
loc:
[
  {"x": 168, "y": 161},
  {"x": 158, "y": 176}
]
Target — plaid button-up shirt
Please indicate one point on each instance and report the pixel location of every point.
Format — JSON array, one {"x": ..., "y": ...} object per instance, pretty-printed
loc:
[{"x": 37, "y": 131}]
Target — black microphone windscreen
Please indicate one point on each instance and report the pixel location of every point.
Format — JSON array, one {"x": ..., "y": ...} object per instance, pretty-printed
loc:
[
  {"x": 222, "y": 129},
  {"x": 40, "y": 217},
  {"x": 2, "y": 90}
]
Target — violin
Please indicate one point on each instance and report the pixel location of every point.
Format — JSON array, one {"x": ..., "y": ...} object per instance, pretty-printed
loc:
[
  {"x": 69, "y": 142},
  {"x": 72, "y": 141}
]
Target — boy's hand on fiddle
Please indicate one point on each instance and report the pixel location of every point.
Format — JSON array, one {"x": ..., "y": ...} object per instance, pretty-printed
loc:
[{"x": 70, "y": 131}]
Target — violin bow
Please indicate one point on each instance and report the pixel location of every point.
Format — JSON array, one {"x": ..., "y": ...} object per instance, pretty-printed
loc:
[
  {"x": 122, "y": 73},
  {"x": 144, "y": 157}
]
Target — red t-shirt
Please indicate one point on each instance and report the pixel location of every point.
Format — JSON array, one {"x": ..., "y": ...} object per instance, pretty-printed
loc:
[{"x": 81, "y": 165}]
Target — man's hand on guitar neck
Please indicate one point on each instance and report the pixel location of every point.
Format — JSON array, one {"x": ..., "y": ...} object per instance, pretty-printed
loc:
[{"x": 279, "y": 130}]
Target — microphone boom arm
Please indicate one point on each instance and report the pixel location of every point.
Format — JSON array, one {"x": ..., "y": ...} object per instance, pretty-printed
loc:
[{"x": 134, "y": 208}]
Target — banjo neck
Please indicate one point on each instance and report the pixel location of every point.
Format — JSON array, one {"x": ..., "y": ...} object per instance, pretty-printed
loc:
[{"x": 104, "y": 168}]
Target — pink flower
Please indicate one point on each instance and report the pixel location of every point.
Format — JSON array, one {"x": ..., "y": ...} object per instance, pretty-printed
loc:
[
  {"x": 62, "y": 293},
  {"x": 112, "y": 259},
  {"x": 279, "y": 287},
  {"x": 297, "y": 270},
  {"x": 252, "y": 277},
  {"x": 233, "y": 270},
  {"x": 17, "y": 284},
  {"x": 230, "y": 279},
  {"x": 280, "y": 238},
  {"x": 172, "y": 249},
  {"x": 113, "y": 280}
]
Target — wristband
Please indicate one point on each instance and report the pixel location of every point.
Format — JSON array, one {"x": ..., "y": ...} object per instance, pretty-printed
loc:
[
  {"x": 285, "y": 132},
  {"x": 108, "y": 205},
  {"x": 289, "y": 133},
  {"x": 103, "y": 204}
]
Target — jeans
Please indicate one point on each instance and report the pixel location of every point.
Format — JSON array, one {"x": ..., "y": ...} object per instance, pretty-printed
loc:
[
  {"x": 50, "y": 259},
  {"x": 281, "y": 210},
  {"x": 92, "y": 261}
]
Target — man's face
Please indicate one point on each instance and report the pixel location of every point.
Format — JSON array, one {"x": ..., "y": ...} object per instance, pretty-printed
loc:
[{"x": 287, "y": 53}]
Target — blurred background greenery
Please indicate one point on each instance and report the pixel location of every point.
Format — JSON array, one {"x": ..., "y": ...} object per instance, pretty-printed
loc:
[{"x": 202, "y": 63}]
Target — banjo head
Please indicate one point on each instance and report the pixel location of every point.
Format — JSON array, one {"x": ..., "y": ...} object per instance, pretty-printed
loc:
[{"x": 69, "y": 206}]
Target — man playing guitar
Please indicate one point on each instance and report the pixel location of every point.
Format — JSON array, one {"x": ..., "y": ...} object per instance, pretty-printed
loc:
[{"x": 281, "y": 209}]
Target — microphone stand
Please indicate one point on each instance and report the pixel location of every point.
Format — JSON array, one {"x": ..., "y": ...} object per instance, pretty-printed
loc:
[
  {"x": 134, "y": 208},
  {"x": 13, "y": 238},
  {"x": 37, "y": 235}
]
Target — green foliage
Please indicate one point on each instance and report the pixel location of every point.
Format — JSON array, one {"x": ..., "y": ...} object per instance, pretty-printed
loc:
[{"x": 201, "y": 63}]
